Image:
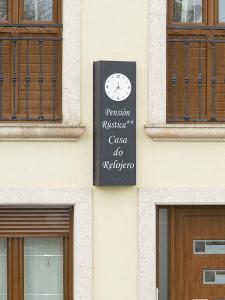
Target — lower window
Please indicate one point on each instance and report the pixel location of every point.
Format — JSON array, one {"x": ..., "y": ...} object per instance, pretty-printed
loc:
[{"x": 36, "y": 253}]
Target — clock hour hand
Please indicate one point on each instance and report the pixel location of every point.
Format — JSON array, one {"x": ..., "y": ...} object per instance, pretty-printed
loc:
[{"x": 118, "y": 87}]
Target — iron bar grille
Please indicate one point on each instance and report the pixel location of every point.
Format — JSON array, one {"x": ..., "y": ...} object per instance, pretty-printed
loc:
[
  {"x": 196, "y": 78},
  {"x": 30, "y": 77}
]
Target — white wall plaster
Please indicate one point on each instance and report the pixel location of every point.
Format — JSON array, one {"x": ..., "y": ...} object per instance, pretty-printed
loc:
[
  {"x": 81, "y": 199},
  {"x": 149, "y": 198},
  {"x": 156, "y": 128}
]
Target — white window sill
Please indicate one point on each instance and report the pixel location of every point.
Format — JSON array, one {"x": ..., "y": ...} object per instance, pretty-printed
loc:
[
  {"x": 34, "y": 131},
  {"x": 186, "y": 132}
]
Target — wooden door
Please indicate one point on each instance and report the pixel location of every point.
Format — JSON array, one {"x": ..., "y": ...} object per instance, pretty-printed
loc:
[{"x": 197, "y": 261}]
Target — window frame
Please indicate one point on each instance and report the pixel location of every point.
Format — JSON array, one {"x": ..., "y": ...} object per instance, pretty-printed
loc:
[
  {"x": 156, "y": 126},
  {"x": 70, "y": 128},
  {"x": 15, "y": 267},
  {"x": 81, "y": 200},
  {"x": 57, "y": 11},
  {"x": 15, "y": 256},
  {"x": 172, "y": 22},
  {"x": 17, "y": 18},
  {"x": 9, "y": 14},
  {"x": 206, "y": 7},
  {"x": 20, "y": 28},
  {"x": 217, "y": 14}
]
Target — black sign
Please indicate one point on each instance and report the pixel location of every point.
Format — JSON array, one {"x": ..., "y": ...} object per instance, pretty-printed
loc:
[{"x": 114, "y": 123}]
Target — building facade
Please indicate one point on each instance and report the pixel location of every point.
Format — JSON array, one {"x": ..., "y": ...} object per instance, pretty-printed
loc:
[{"x": 160, "y": 239}]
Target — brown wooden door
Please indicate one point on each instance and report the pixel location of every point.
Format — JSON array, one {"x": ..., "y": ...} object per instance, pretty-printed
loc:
[{"x": 206, "y": 226}]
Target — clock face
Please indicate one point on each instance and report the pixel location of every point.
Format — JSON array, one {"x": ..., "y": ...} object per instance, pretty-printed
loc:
[{"x": 118, "y": 87}]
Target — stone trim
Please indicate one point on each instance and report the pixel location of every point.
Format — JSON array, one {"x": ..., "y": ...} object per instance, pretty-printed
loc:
[
  {"x": 71, "y": 63},
  {"x": 70, "y": 128},
  {"x": 42, "y": 131},
  {"x": 81, "y": 199},
  {"x": 186, "y": 132},
  {"x": 149, "y": 198},
  {"x": 157, "y": 61},
  {"x": 156, "y": 127}
]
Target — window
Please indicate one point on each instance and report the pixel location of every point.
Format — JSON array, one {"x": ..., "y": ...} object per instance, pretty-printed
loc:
[
  {"x": 36, "y": 253},
  {"x": 30, "y": 60},
  {"x": 221, "y": 11},
  {"x": 46, "y": 107},
  {"x": 196, "y": 61},
  {"x": 166, "y": 116},
  {"x": 38, "y": 10},
  {"x": 3, "y": 10},
  {"x": 187, "y": 11}
]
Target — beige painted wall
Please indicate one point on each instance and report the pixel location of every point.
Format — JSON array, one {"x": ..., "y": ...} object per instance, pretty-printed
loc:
[{"x": 115, "y": 30}]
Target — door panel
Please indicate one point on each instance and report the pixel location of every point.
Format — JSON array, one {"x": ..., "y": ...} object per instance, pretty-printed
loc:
[{"x": 197, "y": 275}]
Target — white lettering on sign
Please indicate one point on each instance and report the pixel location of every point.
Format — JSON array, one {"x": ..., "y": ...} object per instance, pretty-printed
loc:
[
  {"x": 113, "y": 125},
  {"x": 115, "y": 140},
  {"x": 116, "y": 165},
  {"x": 117, "y": 113}
]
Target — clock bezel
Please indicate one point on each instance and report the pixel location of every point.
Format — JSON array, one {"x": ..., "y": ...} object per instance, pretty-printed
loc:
[{"x": 129, "y": 83}]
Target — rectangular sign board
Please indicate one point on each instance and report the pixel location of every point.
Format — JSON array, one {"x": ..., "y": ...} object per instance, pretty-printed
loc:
[{"x": 114, "y": 123}]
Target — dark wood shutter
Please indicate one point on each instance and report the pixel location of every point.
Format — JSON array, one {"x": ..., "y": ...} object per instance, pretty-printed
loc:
[
  {"x": 34, "y": 221},
  {"x": 30, "y": 66},
  {"x": 187, "y": 100},
  {"x": 39, "y": 60},
  {"x": 196, "y": 67}
]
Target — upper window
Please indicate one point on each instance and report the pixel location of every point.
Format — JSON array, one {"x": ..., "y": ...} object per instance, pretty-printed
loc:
[
  {"x": 30, "y": 60},
  {"x": 187, "y": 11},
  {"x": 30, "y": 10},
  {"x": 221, "y": 10},
  {"x": 3, "y": 10},
  {"x": 35, "y": 10},
  {"x": 196, "y": 61}
]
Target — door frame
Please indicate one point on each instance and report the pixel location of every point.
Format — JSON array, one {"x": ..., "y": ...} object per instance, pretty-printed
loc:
[{"x": 148, "y": 201}]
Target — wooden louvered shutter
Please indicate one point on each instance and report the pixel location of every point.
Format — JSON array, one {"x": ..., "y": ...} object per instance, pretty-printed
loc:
[
  {"x": 41, "y": 221},
  {"x": 195, "y": 62},
  {"x": 40, "y": 61},
  {"x": 184, "y": 101},
  {"x": 30, "y": 64}
]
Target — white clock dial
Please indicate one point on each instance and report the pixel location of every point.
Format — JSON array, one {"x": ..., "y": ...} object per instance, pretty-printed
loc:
[{"x": 118, "y": 87}]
